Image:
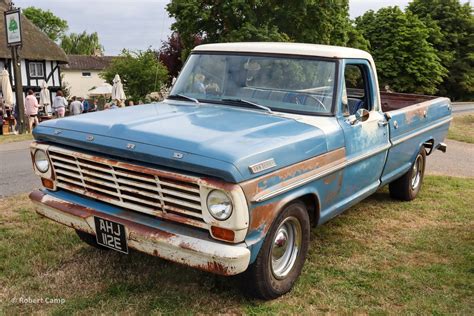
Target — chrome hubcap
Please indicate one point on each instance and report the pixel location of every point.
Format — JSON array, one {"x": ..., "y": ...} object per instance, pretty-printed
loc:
[
  {"x": 286, "y": 245},
  {"x": 416, "y": 173}
]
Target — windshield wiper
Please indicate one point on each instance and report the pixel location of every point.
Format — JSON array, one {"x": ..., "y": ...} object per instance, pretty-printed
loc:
[
  {"x": 263, "y": 107},
  {"x": 182, "y": 96}
]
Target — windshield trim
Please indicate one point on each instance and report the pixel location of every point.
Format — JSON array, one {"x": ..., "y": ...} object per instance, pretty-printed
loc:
[
  {"x": 294, "y": 56},
  {"x": 274, "y": 110}
]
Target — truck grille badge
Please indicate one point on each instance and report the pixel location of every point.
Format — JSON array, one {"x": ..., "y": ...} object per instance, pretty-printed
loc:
[
  {"x": 90, "y": 138},
  {"x": 262, "y": 166},
  {"x": 131, "y": 146}
]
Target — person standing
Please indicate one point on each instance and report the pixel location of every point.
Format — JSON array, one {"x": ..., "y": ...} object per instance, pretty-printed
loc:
[
  {"x": 59, "y": 104},
  {"x": 31, "y": 109},
  {"x": 75, "y": 108},
  {"x": 95, "y": 106},
  {"x": 85, "y": 105}
]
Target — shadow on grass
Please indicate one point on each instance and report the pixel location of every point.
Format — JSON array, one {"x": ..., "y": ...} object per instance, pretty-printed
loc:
[{"x": 148, "y": 284}]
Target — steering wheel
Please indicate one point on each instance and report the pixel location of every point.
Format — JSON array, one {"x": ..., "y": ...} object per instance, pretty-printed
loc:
[{"x": 320, "y": 104}]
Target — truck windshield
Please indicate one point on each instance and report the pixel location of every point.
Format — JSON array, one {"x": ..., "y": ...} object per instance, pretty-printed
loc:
[{"x": 287, "y": 84}]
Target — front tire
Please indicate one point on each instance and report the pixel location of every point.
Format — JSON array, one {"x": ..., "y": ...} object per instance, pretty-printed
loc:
[
  {"x": 282, "y": 256},
  {"x": 407, "y": 187}
]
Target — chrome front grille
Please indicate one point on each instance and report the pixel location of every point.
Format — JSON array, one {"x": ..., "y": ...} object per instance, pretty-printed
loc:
[{"x": 146, "y": 190}]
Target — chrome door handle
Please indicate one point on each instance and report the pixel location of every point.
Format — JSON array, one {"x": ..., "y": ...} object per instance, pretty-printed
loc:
[{"x": 383, "y": 123}]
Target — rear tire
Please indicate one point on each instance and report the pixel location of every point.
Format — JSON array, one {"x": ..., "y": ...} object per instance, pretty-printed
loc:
[
  {"x": 90, "y": 240},
  {"x": 407, "y": 187},
  {"x": 282, "y": 256}
]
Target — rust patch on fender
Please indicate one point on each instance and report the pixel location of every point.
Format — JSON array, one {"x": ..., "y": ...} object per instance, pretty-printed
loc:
[
  {"x": 288, "y": 175},
  {"x": 416, "y": 111},
  {"x": 262, "y": 216},
  {"x": 330, "y": 179},
  {"x": 333, "y": 193}
]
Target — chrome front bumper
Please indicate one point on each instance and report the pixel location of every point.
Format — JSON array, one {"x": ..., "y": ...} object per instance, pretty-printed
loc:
[{"x": 165, "y": 242}]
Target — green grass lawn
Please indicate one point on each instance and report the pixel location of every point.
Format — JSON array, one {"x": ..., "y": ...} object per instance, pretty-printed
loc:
[
  {"x": 462, "y": 129},
  {"x": 382, "y": 256},
  {"x": 5, "y": 139}
]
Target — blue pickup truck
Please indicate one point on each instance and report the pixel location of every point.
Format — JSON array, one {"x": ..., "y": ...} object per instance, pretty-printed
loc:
[{"x": 256, "y": 144}]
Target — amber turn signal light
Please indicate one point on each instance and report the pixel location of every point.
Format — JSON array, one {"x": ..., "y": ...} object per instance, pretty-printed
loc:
[
  {"x": 48, "y": 184},
  {"x": 222, "y": 233}
]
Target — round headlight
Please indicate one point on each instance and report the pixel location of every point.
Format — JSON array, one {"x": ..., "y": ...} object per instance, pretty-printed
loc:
[
  {"x": 41, "y": 161},
  {"x": 219, "y": 205}
]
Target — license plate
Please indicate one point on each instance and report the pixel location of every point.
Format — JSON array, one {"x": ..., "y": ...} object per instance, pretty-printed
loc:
[{"x": 110, "y": 234}]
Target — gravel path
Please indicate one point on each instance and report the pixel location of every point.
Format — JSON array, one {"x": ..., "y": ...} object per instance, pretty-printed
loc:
[
  {"x": 16, "y": 171},
  {"x": 458, "y": 161}
]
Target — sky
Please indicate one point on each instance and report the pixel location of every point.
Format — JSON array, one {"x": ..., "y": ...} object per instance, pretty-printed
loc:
[{"x": 139, "y": 24}]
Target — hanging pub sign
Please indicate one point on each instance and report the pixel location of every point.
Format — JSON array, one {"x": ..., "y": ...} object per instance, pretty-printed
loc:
[{"x": 13, "y": 27}]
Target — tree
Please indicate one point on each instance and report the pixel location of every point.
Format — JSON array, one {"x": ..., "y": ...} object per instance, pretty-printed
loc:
[
  {"x": 141, "y": 73},
  {"x": 81, "y": 44},
  {"x": 452, "y": 34},
  {"x": 47, "y": 22},
  {"x": 398, "y": 41},
  {"x": 170, "y": 55},
  {"x": 310, "y": 21}
]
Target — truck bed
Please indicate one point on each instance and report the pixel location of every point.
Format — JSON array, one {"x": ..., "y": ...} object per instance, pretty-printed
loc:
[
  {"x": 396, "y": 101},
  {"x": 414, "y": 121}
]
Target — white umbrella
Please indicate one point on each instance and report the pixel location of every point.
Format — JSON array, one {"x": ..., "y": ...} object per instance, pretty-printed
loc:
[
  {"x": 105, "y": 90},
  {"x": 6, "y": 88},
  {"x": 117, "y": 89},
  {"x": 45, "y": 98}
]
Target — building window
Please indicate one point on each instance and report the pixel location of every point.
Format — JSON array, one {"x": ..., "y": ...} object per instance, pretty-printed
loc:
[
  {"x": 36, "y": 70},
  {"x": 86, "y": 74}
]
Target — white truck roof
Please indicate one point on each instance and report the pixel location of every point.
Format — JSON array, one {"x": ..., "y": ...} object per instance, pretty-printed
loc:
[{"x": 287, "y": 48}]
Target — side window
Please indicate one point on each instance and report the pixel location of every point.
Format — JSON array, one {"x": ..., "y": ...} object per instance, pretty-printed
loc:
[{"x": 355, "y": 94}]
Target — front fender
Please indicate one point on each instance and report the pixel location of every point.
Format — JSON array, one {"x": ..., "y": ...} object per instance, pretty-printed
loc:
[{"x": 263, "y": 214}]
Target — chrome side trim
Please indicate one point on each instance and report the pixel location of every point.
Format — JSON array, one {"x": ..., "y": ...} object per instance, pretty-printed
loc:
[
  {"x": 421, "y": 131},
  {"x": 323, "y": 173}
]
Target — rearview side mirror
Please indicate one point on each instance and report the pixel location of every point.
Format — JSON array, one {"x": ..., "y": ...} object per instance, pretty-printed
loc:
[{"x": 361, "y": 115}]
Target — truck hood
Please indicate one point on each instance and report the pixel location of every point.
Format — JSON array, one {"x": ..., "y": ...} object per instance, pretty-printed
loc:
[{"x": 215, "y": 140}]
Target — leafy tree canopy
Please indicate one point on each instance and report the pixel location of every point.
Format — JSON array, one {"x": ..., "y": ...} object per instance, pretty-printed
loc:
[
  {"x": 81, "y": 44},
  {"x": 141, "y": 73},
  {"x": 405, "y": 60},
  {"x": 310, "y": 21},
  {"x": 451, "y": 26},
  {"x": 46, "y": 21}
]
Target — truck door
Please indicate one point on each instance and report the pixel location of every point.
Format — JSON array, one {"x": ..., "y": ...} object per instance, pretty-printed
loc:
[{"x": 367, "y": 137}]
